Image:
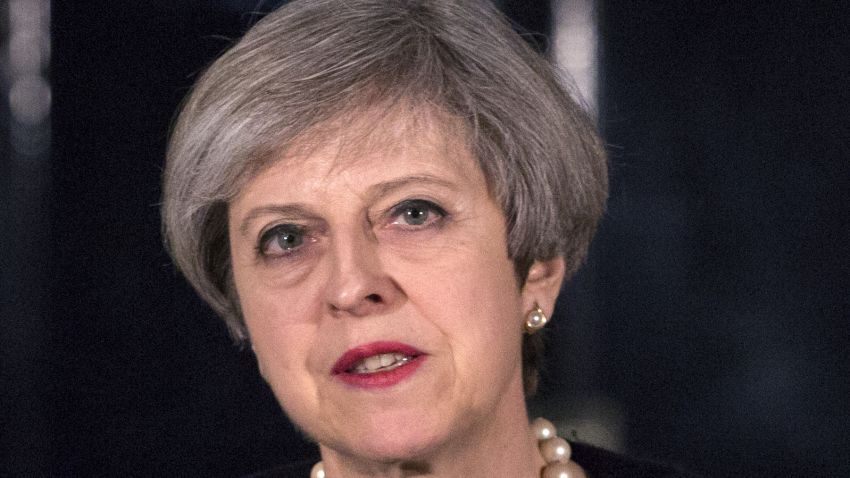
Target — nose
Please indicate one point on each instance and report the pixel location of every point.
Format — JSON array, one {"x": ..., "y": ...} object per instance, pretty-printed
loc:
[{"x": 359, "y": 286}]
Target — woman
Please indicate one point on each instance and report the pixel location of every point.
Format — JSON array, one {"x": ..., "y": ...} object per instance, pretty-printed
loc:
[{"x": 383, "y": 198}]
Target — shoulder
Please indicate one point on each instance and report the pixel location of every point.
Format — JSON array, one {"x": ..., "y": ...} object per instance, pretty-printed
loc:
[{"x": 601, "y": 463}]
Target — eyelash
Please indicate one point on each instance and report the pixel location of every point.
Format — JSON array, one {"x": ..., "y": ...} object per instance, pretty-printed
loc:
[
  {"x": 394, "y": 217},
  {"x": 421, "y": 204},
  {"x": 274, "y": 234}
]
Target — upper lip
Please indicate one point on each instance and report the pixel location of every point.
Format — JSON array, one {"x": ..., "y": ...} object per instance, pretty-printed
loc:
[{"x": 356, "y": 354}]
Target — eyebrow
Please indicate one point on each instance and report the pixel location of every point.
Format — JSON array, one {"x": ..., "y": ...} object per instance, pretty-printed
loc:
[
  {"x": 387, "y": 187},
  {"x": 374, "y": 191},
  {"x": 288, "y": 210}
]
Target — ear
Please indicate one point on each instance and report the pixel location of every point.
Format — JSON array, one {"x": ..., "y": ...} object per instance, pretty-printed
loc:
[{"x": 543, "y": 284}]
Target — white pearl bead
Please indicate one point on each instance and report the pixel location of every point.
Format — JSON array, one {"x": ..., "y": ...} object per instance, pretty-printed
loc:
[
  {"x": 563, "y": 470},
  {"x": 555, "y": 449},
  {"x": 318, "y": 470},
  {"x": 535, "y": 320},
  {"x": 543, "y": 429}
]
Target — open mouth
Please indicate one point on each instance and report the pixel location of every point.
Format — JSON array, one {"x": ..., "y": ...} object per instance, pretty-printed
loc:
[
  {"x": 377, "y": 364},
  {"x": 380, "y": 363}
]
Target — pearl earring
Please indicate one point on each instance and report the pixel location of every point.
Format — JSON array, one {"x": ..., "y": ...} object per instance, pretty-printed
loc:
[{"x": 535, "y": 320}]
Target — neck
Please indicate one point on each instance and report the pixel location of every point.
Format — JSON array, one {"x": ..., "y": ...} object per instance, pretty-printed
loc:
[{"x": 500, "y": 444}]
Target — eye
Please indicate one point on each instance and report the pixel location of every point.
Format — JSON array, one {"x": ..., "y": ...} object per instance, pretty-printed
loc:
[
  {"x": 417, "y": 213},
  {"x": 281, "y": 240}
]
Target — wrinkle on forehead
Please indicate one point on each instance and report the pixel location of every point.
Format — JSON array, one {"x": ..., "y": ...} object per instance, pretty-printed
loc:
[{"x": 388, "y": 131}]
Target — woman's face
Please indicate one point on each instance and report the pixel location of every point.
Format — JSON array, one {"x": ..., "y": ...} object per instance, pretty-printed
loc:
[{"x": 378, "y": 293}]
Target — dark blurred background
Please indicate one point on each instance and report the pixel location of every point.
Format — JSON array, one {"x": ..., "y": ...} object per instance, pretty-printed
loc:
[{"x": 708, "y": 329}]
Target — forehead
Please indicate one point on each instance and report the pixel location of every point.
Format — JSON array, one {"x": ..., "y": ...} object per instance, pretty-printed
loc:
[
  {"x": 358, "y": 151},
  {"x": 390, "y": 134}
]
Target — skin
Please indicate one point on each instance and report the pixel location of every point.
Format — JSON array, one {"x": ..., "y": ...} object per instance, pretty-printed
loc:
[{"x": 360, "y": 270}]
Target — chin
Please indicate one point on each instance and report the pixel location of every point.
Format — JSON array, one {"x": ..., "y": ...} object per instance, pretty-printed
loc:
[{"x": 396, "y": 437}]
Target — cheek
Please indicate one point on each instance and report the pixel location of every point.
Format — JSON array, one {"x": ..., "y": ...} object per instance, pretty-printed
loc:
[
  {"x": 280, "y": 327},
  {"x": 284, "y": 358},
  {"x": 494, "y": 304},
  {"x": 282, "y": 336},
  {"x": 272, "y": 309},
  {"x": 280, "y": 347},
  {"x": 471, "y": 295}
]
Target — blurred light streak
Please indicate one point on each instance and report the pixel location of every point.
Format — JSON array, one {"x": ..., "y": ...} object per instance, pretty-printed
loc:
[
  {"x": 29, "y": 95},
  {"x": 576, "y": 46},
  {"x": 26, "y": 431},
  {"x": 594, "y": 417}
]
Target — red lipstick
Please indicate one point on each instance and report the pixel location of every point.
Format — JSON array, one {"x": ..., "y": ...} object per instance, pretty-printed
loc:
[{"x": 351, "y": 370}]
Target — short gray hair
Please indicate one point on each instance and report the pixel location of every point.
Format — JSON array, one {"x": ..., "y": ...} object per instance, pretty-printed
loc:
[{"x": 307, "y": 63}]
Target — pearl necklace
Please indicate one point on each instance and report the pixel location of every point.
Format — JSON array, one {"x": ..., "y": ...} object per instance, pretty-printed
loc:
[{"x": 555, "y": 452}]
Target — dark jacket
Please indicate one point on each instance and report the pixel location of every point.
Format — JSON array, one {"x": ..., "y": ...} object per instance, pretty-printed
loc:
[{"x": 597, "y": 463}]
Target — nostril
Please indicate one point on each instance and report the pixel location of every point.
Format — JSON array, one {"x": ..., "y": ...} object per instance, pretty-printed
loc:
[{"x": 374, "y": 298}]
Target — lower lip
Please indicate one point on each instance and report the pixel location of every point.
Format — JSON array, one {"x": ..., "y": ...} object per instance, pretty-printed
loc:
[{"x": 382, "y": 379}]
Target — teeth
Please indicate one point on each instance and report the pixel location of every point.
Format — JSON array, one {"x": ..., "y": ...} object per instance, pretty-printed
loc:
[
  {"x": 380, "y": 362},
  {"x": 373, "y": 362}
]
